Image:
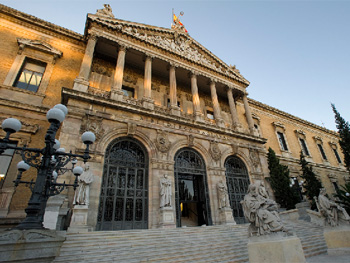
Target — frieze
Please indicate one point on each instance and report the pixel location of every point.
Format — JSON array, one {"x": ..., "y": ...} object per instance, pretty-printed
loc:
[{"x": 98, "y": 92}]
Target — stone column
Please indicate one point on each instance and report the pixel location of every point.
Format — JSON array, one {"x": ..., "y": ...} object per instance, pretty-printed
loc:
[
  {"x": 248, "y": 114},
  {"x": 174, "y": 109},
  {"x": 147, "y": 101},
  {"x": 116, "y": 91},
  {"x": 216, "y": 105},
  {"x": 195, "y": 97},
  {"x": 81, "y": 83},
  {"x": 235, "y": 121}
]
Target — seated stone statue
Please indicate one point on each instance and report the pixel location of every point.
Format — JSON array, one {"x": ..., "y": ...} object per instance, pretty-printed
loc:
[
  {"x": 331, "y": 211},
  {"x": 261, "y": 213}
]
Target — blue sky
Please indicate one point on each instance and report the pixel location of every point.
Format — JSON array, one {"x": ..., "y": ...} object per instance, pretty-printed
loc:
[{"x": 296, "y": 54}]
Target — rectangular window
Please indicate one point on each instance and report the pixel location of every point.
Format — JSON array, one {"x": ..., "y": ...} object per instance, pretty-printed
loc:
[
  {"x": 210, "y": 114},
  {"x": 5, "y": 161},
  {"x": 322, "y": 152},
  {"x": 30, "y": 76},
  {"x": 337, "y": 155},
  {"x": 129, "y": 92},
  {"x": 168, "y": 105},
  {"x": 304, "y": 147},
  {"x": 282, "y": 141}
]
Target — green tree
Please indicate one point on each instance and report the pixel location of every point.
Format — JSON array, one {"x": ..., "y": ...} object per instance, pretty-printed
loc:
[
  {"x": 344, "y": 133},
  {"x": 280, "y": 182},
  {"x": 343, "y": 194},
  {"x": 311, "y": 184}
]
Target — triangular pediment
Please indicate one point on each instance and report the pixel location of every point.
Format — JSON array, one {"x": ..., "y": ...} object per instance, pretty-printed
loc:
[
  {"x": 39, "y": 45},
  {"x": 173, "y": 41}
]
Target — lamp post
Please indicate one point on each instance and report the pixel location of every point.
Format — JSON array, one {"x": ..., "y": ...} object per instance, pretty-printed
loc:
[{"x": 49, "y": 161}]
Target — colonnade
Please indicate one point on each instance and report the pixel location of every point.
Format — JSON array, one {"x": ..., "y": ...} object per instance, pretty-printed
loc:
[{"x": 82, "y": 82}]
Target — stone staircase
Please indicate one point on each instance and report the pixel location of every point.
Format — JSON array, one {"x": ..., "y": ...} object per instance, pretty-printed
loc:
[
  {"x": 311, "y": 237},
  {"x": 190, "y": 244}
]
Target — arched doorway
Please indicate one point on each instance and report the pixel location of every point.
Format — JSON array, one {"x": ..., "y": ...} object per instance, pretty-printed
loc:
[
  {"x": 191, "y": 189},
  {"x": 237, "y": 184},
  {"x": 124, "y": 188}
]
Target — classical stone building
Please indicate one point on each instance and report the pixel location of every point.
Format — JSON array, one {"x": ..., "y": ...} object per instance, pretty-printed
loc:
[{"x": 160, "y": 104}]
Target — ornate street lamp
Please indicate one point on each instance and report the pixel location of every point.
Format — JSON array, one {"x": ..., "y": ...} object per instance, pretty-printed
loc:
[{"x": 50, "y": 163}]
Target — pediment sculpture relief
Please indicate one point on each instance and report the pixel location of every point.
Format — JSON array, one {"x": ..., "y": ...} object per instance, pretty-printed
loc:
[
  {"x": 215, "y": 151},
  {"x": 106, "y": 11}
]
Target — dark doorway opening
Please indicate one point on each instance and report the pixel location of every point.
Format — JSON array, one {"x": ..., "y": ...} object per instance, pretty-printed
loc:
[{"x": 191, "y": 189}]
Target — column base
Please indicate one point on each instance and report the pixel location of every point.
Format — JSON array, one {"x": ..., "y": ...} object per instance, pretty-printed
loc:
[
  {"x": 148, "y": 103},
  {"x": 226, "y": 217},
  {"x": 198, "y": 116},
  {"x": 78, "y": 223},
  {"x": 167, "y": 219},
  {"x": 81, "y": 84},
  {"x": 117, "y": 95},
  {"x": 175, "y": 110},
  {"x": 275, "y": 248}
]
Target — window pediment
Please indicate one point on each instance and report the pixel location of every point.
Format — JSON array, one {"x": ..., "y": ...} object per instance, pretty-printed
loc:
[{"x": 38, "y": 45}]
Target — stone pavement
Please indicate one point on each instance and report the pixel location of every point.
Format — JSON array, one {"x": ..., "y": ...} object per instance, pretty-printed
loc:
[{"x": 329, "y": 259}]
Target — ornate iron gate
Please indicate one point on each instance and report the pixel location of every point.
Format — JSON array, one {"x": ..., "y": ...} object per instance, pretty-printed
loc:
[
  {"x": 189, "y": 164},
  {"x": 237, "y": 184},
  {"x": 124, "y": 189}
]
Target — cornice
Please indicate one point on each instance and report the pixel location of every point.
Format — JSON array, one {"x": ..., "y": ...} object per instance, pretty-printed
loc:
[
  {"x": 291, "y": 117},
  {"x": 39, "y": 24},
  {"x": 90, "y": 98},
  {"x": 130, "y": 29}
]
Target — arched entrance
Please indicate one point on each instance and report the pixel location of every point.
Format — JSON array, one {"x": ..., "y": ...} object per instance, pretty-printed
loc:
[
  {"x": 237, "y": 184},
  {"x": 124, "y": 188},
  {"x": 191, "y": 189}
]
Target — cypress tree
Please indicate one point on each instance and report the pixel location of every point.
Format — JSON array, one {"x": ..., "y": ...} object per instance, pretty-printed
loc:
[
  {"x": 343, "y": 195},
  {"x": 311, "y": 184},
  {"x": 344, "y": 133},
  {"x": 280, "y": 182}
]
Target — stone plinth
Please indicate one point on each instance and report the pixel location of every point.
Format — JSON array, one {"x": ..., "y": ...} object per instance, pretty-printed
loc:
[
  {"x": 78, "y": 222},
  {"x": 81, "y": 84},
  {"x": 117, "y": 95},
  {"x": 337, "y": 239},
  {"x": 275, "y": 248},
  {"x": 226, "y": 217},
  {"x": 302, "y": 210},
  {"x": 167, "y": 219},
  {"x": 148, "y": 103},
  {"x": 29, "y": 245}
]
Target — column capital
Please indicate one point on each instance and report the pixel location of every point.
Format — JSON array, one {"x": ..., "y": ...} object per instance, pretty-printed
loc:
[
  {"x": 213, "y": 81},
  {"x": 173, "y": 64},
  {"x": 149, "y": 56},
  {"x": 123, "y": 47},
  {"x": 93, "y": 36},
  {"x": 193, "y": 74}
]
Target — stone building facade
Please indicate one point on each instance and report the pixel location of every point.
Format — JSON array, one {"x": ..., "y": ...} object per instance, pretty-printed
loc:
[{"x": 160, "y": 104}]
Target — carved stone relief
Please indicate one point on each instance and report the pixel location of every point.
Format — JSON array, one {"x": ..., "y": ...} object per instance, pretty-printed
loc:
[
  {"x": 132, "y": 127},
  {"x": 190, "y": 140},
  {"x": 215, "y": 151},
  {"x": 162, "y": 142},
  {"x": 93, "y": 124},
  {"x": 254, "y": 157}
]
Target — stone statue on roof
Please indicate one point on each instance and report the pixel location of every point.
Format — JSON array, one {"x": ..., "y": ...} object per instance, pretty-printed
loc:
[{"x": 106, "y": 11}]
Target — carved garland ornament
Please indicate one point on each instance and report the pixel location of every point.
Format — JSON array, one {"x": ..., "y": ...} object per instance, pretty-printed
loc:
[{"x": 162, "y": 141}]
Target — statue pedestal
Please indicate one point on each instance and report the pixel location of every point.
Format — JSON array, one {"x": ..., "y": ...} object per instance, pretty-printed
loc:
[
  {"x": 337, "y": 239},
  {"x": 275, "y": 248},
  {"x": 167, "y": 219},
  {"x": 78, "y": 222},
  {"x": 226, "y": 217}
]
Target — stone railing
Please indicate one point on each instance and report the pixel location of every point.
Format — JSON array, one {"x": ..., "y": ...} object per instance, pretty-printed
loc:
[{"x": 98, "y": 92}]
